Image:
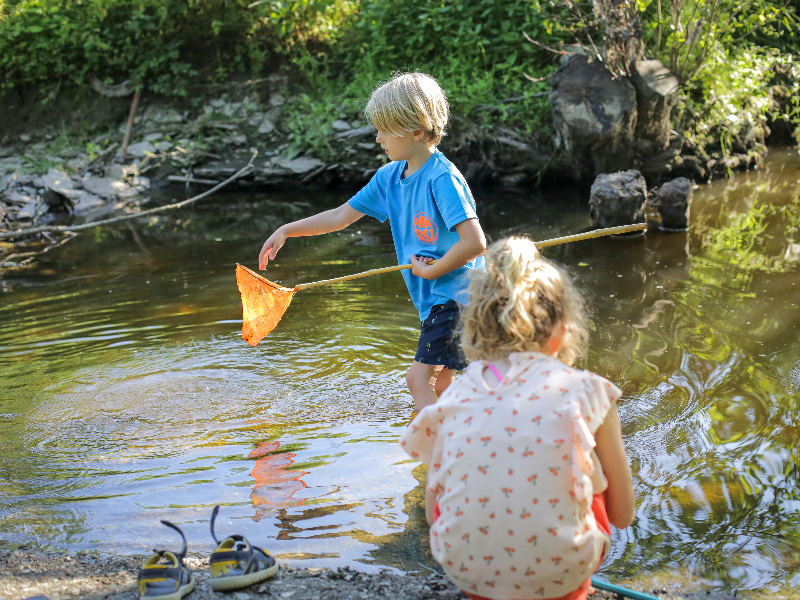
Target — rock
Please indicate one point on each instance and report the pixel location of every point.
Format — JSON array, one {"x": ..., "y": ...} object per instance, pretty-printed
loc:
[
  {"x": 87, "y": 201},
  {"x": 141, "y": 149},
  {"x": 28, "y": 210},
  {"x": 340, "y": 125},
  {"x": 300, "y": 165},
  {"x": 58, "y": 181},
  {"x": 152, "y": 137},
  {"x": 69, "y": 153},
  {"x": 673, "y": 201},
  {"x": 119, "y": 90},
  {"x": 352, "y": 133},
  {"x": 129, "y": 193},
  {"x": 594, "y": 116},
  {"x": 656, "y": 94},
  {"x": 118, "y": 171},
  {"x": 266, "y": 126},
  {"x": 690, "y": 166},
  {"x": 105, "y": 187},
  {"x": 165, "y": 116},
  {"x": 6, "y": 152},
  {"x": 230, "y": 108},
  {"x": 277, "y": 99},
  {"x": 10, "y": 164},
  {"x": 142, "y": 183},
  {"x": 25, "y": 138},
  {"x": 163, "y": 146},
  {"x": 20, "y": 196},
  {"x": 239, "y": 139},
  {"x": 618, "y": 199}
]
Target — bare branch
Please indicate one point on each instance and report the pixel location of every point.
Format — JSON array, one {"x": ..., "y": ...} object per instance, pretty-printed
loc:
[
  {"x": 29, "y": 256},
  {"x": 548, "y": 48}
]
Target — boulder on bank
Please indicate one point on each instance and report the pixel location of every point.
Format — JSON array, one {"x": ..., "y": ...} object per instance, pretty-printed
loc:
[
  {"x": 656, "y": 94},
  {"x": 618, "y": 199},
  {"x": 594, "y": 117}
]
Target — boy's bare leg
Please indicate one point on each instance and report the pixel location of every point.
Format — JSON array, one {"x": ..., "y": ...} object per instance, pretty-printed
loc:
[
  {"x": 422, "y": 383},
  {"x": 446, "y": 377}
]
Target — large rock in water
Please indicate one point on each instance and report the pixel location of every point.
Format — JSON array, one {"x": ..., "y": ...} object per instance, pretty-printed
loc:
[
  {"x": 673, "y": 201},
  {"x": 594, "y": 116},
  {"x": 618, "y": 199}
]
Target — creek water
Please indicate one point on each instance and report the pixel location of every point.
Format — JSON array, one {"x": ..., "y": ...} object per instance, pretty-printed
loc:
[{"x": 128, "y": 395}]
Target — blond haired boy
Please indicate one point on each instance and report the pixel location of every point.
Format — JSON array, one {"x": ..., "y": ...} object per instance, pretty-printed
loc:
[{"x": 432, "y": 216}]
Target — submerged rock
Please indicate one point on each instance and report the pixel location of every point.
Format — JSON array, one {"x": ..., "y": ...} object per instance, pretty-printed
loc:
[
  {"x": 618, "y": 199},
  {"x": 673, "y": 201}
]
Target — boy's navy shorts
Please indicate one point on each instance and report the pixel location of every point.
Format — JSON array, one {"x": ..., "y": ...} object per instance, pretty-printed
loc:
[{"x": 438, "y": 342}]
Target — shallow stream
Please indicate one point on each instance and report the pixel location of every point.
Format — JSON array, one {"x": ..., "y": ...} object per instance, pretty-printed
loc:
[{"x": 127, "y": 394}]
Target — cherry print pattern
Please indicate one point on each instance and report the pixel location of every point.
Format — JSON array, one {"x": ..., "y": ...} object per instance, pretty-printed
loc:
[{"x": 563, "y": 407}]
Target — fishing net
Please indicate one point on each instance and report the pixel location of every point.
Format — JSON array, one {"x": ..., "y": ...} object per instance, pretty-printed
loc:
[{"x": 263, "y": 304}]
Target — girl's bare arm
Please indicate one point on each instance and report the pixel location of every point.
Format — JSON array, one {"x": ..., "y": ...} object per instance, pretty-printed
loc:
[
  {"x": 621, "y": 503},
  {"x": 324, "y": 222}
]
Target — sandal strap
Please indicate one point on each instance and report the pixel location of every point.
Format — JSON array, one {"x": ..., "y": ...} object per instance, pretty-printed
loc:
[
  {"x": 252, "y": 556},
  {"x": 158, "y": 573}
]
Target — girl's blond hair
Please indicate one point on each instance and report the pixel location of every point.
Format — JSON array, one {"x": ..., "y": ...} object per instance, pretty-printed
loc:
[
  {"x": 407, "y": 103},
  {"x": 519, "y": 303}
]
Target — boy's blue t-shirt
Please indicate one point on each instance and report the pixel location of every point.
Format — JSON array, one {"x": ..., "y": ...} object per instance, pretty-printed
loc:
[{"x": 423, "y": 211}]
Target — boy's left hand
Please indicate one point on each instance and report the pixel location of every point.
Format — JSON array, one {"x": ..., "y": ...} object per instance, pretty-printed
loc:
[{"x": 421, "y": 266}]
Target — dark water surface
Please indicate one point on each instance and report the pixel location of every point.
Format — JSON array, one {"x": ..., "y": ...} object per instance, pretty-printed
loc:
[{"x": 128, "y": 396}]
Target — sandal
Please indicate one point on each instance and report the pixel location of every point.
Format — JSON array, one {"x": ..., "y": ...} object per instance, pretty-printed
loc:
[
  {"x": 236, "y": 563},
  {"x": 164, "y": 576}
]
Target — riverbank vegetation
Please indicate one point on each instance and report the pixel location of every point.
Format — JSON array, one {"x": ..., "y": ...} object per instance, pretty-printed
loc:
[{"x": 735, "y": 60}]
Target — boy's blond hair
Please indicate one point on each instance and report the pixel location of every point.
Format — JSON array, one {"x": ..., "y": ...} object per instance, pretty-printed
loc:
[
  {"x": 407, "y": 103},
  {"x": 519, "y": 303}
]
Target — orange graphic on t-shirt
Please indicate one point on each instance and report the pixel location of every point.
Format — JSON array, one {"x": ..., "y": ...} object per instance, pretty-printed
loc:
[{"x": 425, "y": 228}]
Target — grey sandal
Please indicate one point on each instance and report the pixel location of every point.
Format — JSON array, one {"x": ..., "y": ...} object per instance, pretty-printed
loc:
[
  {"x": 236, "y": 563},
  {"x": 164, "y": 576}
]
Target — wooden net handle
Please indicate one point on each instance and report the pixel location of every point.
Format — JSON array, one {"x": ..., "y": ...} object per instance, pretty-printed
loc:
[{"x": 543, "y": 244}]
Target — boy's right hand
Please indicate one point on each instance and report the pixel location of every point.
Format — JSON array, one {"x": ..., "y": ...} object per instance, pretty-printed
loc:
[{"x": 270, "y": 248}]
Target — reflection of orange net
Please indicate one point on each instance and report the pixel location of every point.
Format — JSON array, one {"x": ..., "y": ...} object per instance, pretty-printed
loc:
[
  {"x": 276, "y": 483},
  {"x": 263, "y": 304}
]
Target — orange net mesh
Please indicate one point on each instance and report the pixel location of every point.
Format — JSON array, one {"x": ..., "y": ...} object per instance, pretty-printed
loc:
[{"x": 263, "y": 304}]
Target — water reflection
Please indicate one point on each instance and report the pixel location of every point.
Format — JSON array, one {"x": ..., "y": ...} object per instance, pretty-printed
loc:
[
  {"x": 128, "y": 395},
  {"x": 275, "y": 482}
]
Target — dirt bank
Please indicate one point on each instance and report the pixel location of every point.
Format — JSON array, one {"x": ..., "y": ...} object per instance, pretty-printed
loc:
[{"x": 25, "y": 574}]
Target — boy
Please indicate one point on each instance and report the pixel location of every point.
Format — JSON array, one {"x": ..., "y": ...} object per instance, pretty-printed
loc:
[{"x": 432, "y": 216}]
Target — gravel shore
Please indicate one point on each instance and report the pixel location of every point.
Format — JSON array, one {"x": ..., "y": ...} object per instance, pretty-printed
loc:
[{"x": 27, "y": 574}]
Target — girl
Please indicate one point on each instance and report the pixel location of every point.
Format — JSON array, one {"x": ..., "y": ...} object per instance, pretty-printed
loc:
[{"x": 525, "y": 459}]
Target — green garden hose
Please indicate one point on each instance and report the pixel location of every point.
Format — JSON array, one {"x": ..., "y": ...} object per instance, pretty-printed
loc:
[{"x": 621, "y": 591}]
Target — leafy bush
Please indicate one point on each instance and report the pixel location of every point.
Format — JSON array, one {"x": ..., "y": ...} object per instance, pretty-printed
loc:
[
  {"x": 475, "y": 48},
  {"x": 730, "y": 97},
  {"x": 153, "y": 42}
]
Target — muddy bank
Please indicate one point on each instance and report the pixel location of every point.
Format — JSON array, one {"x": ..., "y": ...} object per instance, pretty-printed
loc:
[{"x": 24, "y": 574}]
